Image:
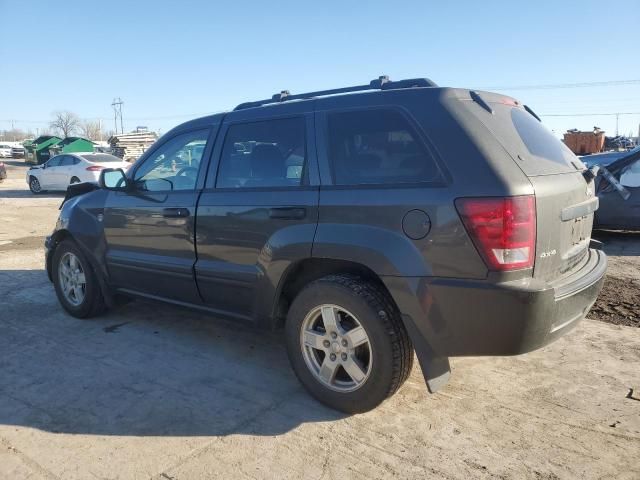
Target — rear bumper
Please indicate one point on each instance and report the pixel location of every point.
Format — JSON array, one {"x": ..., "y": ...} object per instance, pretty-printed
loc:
[{"x": 468, "y": 317}]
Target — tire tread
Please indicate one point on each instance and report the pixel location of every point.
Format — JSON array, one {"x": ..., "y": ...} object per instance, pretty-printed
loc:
[{"x": 381, "y": 301}]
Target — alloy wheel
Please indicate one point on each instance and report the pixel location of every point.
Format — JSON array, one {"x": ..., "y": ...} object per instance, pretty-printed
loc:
[
  {"x": 35, "y": 185},
  {"x": 336, "y": 348},
  {"x": 72, "y": 279}
]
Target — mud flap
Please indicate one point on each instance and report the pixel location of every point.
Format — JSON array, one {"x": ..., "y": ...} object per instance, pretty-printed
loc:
[{"x": 435, "y": 368}]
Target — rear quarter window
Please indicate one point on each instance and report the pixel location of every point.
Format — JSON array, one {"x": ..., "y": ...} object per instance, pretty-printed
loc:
[{"x": 377, "y": 146}]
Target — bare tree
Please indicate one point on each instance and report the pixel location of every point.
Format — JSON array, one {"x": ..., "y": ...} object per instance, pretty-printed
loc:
[
  {"x": 13, "y": 135},
  {"x": 65, "y": 123},
  {"x": 91, "y": 130}
]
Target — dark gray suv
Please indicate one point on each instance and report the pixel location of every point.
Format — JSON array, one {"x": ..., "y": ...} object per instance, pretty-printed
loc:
[{"x": 369, "y": 222}]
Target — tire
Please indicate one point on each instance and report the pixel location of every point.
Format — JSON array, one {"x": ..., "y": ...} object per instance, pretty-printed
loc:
[
  {"x": 384, "y": 362},
  {"x": 89, "y": 301},
  {"x": 74, "y": 180},
  {"x": 34, "y": 185}
]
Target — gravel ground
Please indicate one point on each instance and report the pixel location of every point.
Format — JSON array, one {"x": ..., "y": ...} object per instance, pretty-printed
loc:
[
  {"x": 619, "y": 301},
  {"x": 152, "y": 391}
]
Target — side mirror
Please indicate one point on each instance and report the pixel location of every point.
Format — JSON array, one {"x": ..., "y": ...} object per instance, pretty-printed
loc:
[{"x": 113, "y": 179}]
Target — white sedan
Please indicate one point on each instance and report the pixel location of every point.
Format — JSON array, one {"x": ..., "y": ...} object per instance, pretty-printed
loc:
[
  {"x": 5, "y": 151},
  {"x": 62, "y": 170}
]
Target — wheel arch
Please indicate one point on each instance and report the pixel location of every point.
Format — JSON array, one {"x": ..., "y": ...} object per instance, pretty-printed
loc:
[
  {"x": 301, "y": 273},
  {"x": 63, "y": 234},
  {"x": 52, "y": 244}
]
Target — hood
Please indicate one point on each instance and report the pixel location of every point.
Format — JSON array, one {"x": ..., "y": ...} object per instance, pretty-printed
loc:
[{"x": 76, "y": 189}]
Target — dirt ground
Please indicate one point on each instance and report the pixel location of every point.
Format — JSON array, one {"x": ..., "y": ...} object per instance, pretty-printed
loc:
[
  {"x": 619, "y": 301},
  {"x": 152, "y": 391}
]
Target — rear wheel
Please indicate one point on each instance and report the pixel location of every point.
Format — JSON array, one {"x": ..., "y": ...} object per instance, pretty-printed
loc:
[
  {"x": 347, "y": 344},
  {"x": 74, "y": 180},
  {"x": 34, "y": 185},
  {"x": 75, "y": 282}
]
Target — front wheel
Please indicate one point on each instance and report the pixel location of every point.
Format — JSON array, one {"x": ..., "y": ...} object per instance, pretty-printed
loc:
[
  {"x": 346, "y": 343},
  {"x": 75, "y": 282},
  {"x": 34, "y": 185}
]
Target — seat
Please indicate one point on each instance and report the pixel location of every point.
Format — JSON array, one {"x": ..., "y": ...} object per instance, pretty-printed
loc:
[{"x": 267, "y": 167}]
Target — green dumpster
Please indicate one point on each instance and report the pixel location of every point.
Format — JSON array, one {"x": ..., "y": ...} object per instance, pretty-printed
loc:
[
  {"x": 72, "y": 144},
  {"x": 38, "y": 151}
]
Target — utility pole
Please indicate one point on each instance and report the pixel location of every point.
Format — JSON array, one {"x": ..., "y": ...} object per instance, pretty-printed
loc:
[
  {"x": 617, "y": 118},
  {"x": 117, "y": 113}
]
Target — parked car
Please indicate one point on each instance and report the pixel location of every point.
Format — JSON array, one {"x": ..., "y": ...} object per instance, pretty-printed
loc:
[
  {"x": 17, "y": 152},
  {"x": 399, "y": 217},
  {"x": 619, "y": 211},
  {"x": 605, "y": 158},
  {"x": 5, "y": 151},
  {"x": 62, "y": 170},
  {"x": 3, "y": 171}
]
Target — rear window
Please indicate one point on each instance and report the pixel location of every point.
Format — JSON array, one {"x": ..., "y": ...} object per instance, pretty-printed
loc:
[
  {"x": 532, "y": 146},
  {"x": 539, "y": 141},
  {"x": 101, "y": 158},
  {"x": 377, "y": 146}
]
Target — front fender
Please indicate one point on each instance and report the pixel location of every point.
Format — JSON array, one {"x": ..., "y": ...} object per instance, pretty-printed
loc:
[{"x": 81, "y": 220}]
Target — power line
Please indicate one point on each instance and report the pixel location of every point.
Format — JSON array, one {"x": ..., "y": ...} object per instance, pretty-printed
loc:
[{"x": 607, "y": 83}]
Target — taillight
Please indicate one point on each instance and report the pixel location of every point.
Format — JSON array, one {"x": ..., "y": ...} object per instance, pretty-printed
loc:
[
  {"x": 94, "y": 168},
  {"x": 502, "y": 229}
]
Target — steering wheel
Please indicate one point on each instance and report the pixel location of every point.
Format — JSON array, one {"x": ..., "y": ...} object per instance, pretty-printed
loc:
[{"x": 187, "y": 172}]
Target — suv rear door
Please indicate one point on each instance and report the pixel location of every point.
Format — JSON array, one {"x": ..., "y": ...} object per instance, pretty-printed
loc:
[
  {"x": 259, "y": 210},
  {"x": 150, "y": 231}
]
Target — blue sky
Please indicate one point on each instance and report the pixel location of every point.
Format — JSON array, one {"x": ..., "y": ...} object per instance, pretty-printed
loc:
[{"x": 171, "y": 61}]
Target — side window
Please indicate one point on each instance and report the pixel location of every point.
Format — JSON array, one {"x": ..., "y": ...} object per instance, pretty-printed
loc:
[
  {"x": 54, "y": 162},
  {"x": 263, "y": 154},
  {"x": 67, "y": 161},
  {"x": 377, "y": 146},
  {"x": 174, "y": 165}
]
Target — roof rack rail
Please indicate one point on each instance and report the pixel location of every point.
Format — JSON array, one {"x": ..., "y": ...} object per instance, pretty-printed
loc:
[{"x": 381, "y": 83}]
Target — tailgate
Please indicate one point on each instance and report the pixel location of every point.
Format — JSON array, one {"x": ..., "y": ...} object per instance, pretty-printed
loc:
[
  {"x": 565, "y": 201},
  {"x": 564, "y": 206}
]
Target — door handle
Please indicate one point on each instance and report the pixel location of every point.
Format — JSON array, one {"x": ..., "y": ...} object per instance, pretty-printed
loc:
[
  {"x": 288, "y": 213},
  {"x": 175, "y": 212}
]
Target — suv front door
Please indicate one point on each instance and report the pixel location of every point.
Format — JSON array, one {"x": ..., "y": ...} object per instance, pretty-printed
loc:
[
  {"x": 150, "y": 230},
  {"x": 261, "y": 211}
]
